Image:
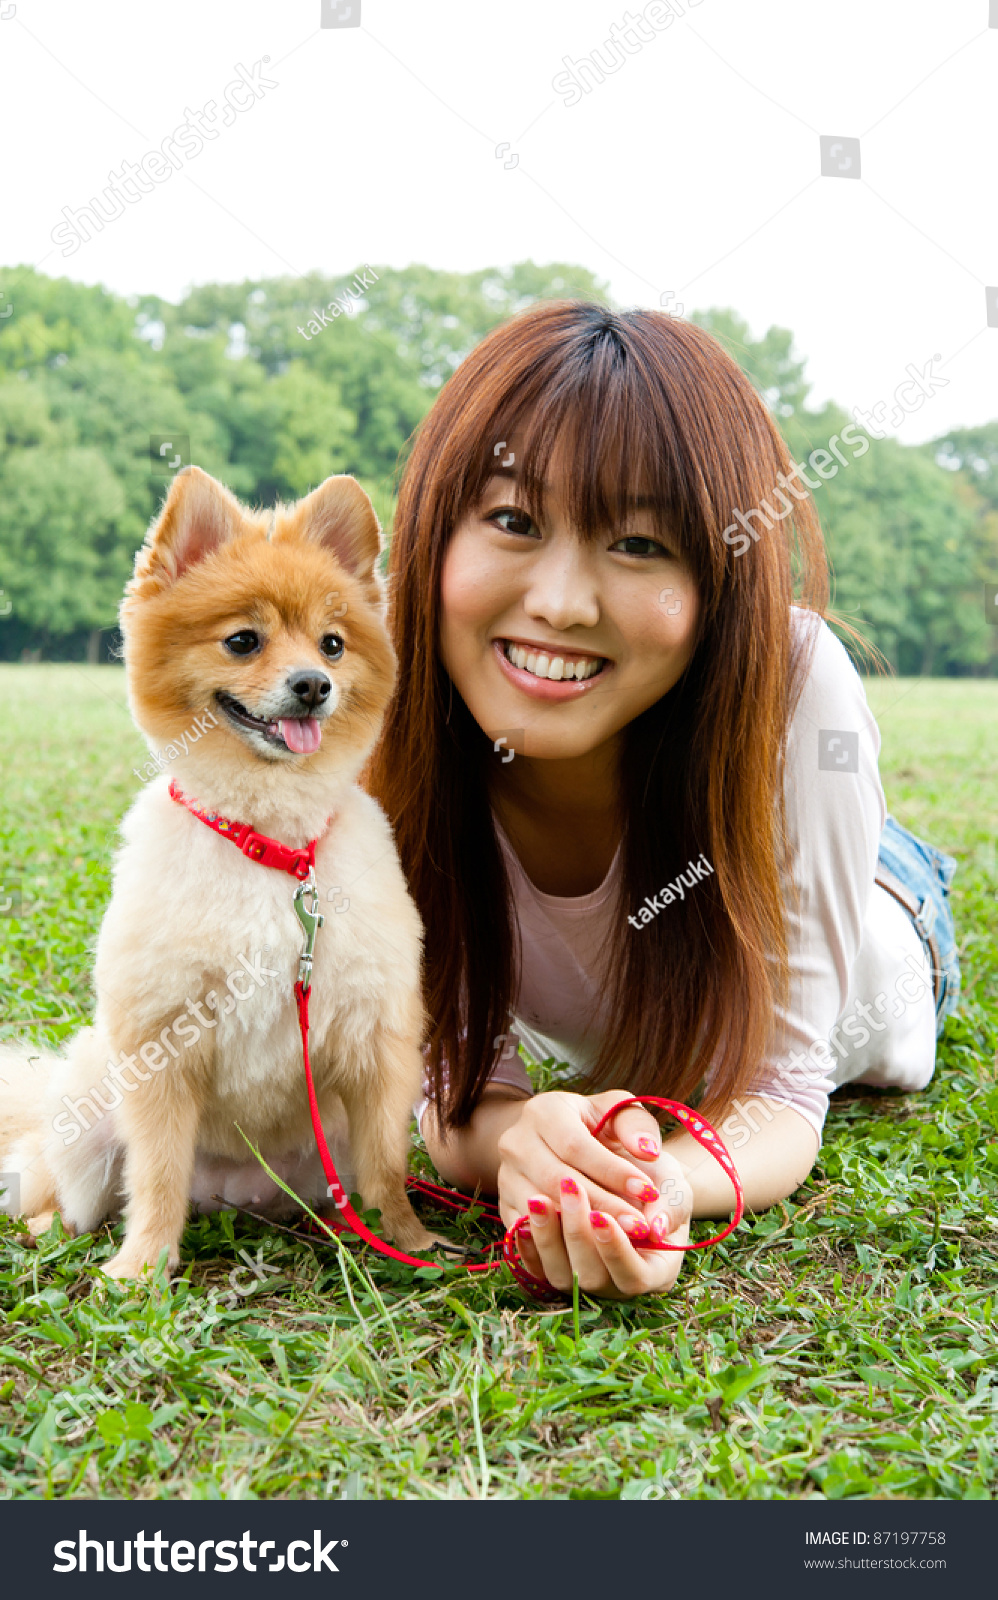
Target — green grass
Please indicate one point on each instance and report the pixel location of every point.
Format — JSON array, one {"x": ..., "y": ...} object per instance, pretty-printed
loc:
[{"x": 839, "y": 1345}]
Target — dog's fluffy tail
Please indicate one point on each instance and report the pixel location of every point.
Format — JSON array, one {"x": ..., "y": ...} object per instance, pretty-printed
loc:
[{"x": 25, "y": 1072}]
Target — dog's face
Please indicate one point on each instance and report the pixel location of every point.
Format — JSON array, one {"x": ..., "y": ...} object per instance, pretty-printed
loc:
[{"x": 275, "y": 627}]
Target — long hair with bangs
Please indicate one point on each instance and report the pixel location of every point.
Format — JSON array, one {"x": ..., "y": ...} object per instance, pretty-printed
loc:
[{"x": 639, "y": 399}]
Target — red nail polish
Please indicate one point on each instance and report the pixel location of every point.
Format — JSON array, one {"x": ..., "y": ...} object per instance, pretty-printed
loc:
[
  {"x": 658, "y": 1227},
  {"x": 648, "y": 1148},
  {"x": 598, "y": 1220},
  {"x": 569, "y": 1186},
  {"x": 523, "y": 1226},
  {"x": 634, "y": 1227},
  {"x": 537, "y": 1208},
  {"x": 641, "y": 1189}
]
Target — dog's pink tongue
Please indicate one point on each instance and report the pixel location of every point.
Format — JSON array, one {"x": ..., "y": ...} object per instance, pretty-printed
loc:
[{"x": 303, "y": 737}]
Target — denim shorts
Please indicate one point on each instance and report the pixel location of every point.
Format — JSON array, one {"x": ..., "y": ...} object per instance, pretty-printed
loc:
[{"x": 919, "y": 876}]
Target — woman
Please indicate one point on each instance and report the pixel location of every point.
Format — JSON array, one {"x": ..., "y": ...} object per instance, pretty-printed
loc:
[{"x": 635, "y": 791}]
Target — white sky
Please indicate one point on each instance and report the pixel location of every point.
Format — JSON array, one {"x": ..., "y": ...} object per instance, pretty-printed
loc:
[{"x": 693, "y": 168}]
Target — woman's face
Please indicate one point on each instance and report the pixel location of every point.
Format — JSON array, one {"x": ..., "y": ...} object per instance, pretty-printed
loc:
[{"x": 554, "y": 643}]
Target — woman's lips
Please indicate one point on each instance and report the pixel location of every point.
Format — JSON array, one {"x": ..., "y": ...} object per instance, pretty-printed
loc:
[{"x": 545, "y": 688}]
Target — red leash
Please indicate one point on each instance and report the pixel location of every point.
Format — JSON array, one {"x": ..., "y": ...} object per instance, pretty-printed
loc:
[{"x": 301, "y": 865}]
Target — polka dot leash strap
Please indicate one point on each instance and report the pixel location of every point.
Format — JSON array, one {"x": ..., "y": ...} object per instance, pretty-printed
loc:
[{"x": 699, "y": 1129}]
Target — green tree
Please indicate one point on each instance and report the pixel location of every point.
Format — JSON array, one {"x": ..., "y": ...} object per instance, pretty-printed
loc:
[
  {"x": 87, "y": 376},
  {"x": 67, "y": 538},
  {"x": 973, "y": 452}
]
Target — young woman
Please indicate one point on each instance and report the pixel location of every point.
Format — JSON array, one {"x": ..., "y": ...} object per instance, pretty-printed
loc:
[{"x": 635, "y": 790}]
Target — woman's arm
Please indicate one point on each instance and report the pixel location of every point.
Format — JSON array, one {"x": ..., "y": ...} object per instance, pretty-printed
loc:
[
  {"x": 596, "y": 1206},
  {"x": 771, "y": 1162},
  {"x": 773, "y": 1148},
  {"x": 468, "y": 1157}
]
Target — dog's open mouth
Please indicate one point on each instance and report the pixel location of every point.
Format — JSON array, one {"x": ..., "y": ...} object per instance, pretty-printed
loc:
[{"x": 302, "y": 735}]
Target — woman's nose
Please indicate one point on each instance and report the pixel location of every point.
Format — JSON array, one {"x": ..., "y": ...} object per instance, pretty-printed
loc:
[{"x": 563, "y": 588}]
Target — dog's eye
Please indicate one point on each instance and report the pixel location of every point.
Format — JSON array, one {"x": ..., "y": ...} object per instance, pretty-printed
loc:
[
  {"x": 242, "y": 643},
  {"x": 332, "y": 646}
]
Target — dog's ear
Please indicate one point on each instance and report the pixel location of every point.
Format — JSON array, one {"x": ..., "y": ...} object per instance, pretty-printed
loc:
[
  {"x": 198, "y": 516},
  {"x": 339, "y": 516}
]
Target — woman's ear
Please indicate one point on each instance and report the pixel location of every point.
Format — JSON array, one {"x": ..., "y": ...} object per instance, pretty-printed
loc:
[{"x": 198, "y": 517}]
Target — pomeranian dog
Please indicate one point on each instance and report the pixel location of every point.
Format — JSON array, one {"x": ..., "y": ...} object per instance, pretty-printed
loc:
[{"x": 258, "y": 661}]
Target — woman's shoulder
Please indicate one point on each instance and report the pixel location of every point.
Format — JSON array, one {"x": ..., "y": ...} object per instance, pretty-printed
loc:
[
  {"x": 832, "y": 733},
  {"x": 830, "y": 656},
  {"x": 832, "y": 685}
]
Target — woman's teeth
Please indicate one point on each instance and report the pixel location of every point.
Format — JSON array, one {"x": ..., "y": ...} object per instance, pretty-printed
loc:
[{"x": 543, "y": 665}]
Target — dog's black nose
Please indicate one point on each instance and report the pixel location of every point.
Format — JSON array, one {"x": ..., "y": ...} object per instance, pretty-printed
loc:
[{"x": 310, "y": 687}]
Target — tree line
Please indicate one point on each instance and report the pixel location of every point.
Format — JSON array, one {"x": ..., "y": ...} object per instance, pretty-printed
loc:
[{"x": 271, "y": 385}]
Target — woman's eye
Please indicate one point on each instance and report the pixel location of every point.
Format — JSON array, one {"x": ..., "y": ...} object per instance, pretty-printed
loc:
[
  {"x": 332, "y": 646},
  {"x": 511, "y": 521},
  {"x": 242, "y": 643},
  {"x": 648, "y": 547}
]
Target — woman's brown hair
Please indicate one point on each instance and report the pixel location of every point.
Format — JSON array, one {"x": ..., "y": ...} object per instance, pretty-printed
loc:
[{"x": 645, "y": 403}]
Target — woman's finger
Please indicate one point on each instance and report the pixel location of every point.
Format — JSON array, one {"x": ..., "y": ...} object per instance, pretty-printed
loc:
[
  {"x": 580, "y": 1242},
  {"x": 527, "y": 1250},
  {"x": 609, "y": 1178},
  {"x": 555, "y": 1133},
  {"x": 591, "y": 1245},
  {"x": 634, "y": 1132},
  {"x": 548, "y": 1242},
  {"x": 633, "y": 1271},
  {"x": 633, "y": 1213},
  {"x": 674, "y": 1204}
]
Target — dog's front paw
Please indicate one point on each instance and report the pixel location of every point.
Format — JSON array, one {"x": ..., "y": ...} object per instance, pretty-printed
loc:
[
  {"x": 131, "y": 1263},
  {"x": 411, "y": 1235},
  {"x": 40, "y": 1224}
]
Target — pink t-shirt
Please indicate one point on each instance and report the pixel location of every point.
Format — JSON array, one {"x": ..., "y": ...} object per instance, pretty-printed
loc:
[{"x": 850, "y": 943}]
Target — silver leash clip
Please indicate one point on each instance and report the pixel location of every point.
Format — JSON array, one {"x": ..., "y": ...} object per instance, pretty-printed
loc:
[{"x": 311, "y": 920}]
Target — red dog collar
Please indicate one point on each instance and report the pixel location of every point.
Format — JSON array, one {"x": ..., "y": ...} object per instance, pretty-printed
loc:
[{"x": 257, "y": 846}]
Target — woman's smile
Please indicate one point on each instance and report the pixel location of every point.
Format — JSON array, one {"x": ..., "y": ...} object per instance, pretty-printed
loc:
[{"x": 547, "y": 671}]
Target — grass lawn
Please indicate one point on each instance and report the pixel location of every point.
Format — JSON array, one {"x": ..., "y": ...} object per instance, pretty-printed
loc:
[{"x": 842, "y": 1345}]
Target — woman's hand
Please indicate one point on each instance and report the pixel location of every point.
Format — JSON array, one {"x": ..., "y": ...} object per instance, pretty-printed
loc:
[{"x": 593, "y": 1201}]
